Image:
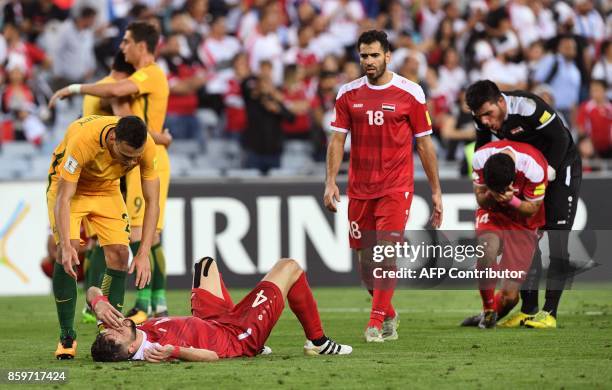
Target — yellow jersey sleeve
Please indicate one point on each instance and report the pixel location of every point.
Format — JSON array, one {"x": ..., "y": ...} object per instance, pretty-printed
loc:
[
  {"x": 94, "y": 105},
  {"x": 148, "y": 162},
  {"x": 153, "y": 94}
]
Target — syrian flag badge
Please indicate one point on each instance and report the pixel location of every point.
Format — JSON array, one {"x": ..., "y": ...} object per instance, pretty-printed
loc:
[{"x": 388, "y": 107}]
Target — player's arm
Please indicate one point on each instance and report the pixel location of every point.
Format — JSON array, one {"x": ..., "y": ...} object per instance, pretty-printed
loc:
[
  {"x": 483, "y": 196},
  {"x": 427, "y": 154},
  {"x": 150, "y": 193},
  {"x": 104, "y": 311},
  {"x": 335, "y": 153},
  {"x": 159, "y": 353},
  {"x": 69, "y": 256},
  {"x": 559, "y": 139},
  {"x": 528, "y": 208},
  {"x": 121, "y": 106},
  {"x": 125, "y": 87}
]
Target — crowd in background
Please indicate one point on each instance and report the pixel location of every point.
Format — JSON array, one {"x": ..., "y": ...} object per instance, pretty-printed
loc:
[{"x": 263, "y": 73}]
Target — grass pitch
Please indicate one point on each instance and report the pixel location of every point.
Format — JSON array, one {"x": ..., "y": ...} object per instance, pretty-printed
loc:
[{"x": 432, "y": 352}]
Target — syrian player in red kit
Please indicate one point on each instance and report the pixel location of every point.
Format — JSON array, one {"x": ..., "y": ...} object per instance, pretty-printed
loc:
[
  {"x": 384, "y": 113},
  {"x": 217, "y": 328},
  {"x": 510, "y": 180}
]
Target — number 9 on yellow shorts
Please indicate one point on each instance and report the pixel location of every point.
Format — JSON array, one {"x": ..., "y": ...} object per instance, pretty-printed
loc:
[{"x": 106, "y": 213}]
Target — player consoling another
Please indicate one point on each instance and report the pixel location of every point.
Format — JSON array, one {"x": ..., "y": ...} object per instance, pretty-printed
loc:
[{"x": 217, "y": 328}]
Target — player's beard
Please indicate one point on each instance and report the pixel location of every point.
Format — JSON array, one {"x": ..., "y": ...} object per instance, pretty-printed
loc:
[{"x": 378, "y": 74}]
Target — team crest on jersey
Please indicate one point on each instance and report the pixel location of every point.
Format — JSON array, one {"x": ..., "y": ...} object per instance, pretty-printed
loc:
[
  {"x": 517, "y": 130},
  {"x": 388, "y": 107},
  {"x": 71, "y": 164}
]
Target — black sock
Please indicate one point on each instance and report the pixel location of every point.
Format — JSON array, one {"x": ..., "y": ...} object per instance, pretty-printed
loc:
[
  {"x": 529, "y": 289},
  {"x": 320, "y": 341},
  {"x": 552, "y": 301}
]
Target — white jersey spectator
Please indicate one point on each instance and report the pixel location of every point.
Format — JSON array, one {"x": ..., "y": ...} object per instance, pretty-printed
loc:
[
  {"x": 216, "y": 53},
  {"x": 344, "y": 17},
  {"x": 524, "y": 22},
  {"x": 588, "y": 22},
  {"x": 73, "y": 57},
  {"x": 430, "y": 16},
  {"x": 265, "y": 45},
  {"x": 603, "y": 68}
]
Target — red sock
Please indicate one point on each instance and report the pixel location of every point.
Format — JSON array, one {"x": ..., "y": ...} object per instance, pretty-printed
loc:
[
  {"x": 381, "y": 302},
  {"x": 304, "y": 306},
  {"x": 226, "y": 295},
  {"x": 390, "y": 312},
  {"x": 488, "y": 298},
  {"x": 498, "y": 303}
]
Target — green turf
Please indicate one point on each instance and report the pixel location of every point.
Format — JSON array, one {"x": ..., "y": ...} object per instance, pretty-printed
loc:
[{"x": 432, "y": 351}]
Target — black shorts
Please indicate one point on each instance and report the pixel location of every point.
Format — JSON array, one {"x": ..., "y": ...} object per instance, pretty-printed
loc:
[{"x": 562, "y": 194}]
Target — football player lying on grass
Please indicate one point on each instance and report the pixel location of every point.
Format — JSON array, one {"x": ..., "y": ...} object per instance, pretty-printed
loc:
[{"x": 217, "y": 328}]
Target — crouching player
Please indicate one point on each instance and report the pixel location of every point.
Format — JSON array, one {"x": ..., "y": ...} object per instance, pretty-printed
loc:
[
  {"x": 217, "y": 328},
  {"x": 510, "y": 180}
]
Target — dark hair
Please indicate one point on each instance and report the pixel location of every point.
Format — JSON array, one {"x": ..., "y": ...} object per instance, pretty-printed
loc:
[
  {"x": 121, "y": 65},
  {"x": 131, "y": 129},
  {"x": 143, "y": 31},
  {"x": 105, "y": 350},
  {"x": 87, "y": 12},
  {"x": 601, "y": 82},
  {"x": 499, "y": 172},
  {"x": 372, "y": 36},
  {"x": 480, "y": 92}
]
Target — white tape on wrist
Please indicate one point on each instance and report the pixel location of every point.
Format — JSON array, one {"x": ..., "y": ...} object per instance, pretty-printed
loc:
[{"x": 74, "y": 88}]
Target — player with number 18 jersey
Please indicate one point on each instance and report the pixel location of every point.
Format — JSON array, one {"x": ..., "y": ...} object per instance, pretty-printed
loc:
[{"x": 382, "y": 121}]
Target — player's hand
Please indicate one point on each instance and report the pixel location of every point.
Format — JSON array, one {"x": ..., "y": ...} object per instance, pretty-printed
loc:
[
  {"x": 143, "y": 269},
  {"x": 70, "y": 259},
  {"x": 106, "y": 313},
  {"x": 331, "y": 196},
  {"x": 158, "y": 353},
  {"x": 436, "y": 214},
  {"x": 61, "y": 94},
  {"x": 503, "y": 197},
  {"x": 166, "y": 138}
]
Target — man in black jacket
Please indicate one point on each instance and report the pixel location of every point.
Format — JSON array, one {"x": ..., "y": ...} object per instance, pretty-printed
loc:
[
  {"x": 265, "y": 112},
  {"x": 524, "y": 117}
]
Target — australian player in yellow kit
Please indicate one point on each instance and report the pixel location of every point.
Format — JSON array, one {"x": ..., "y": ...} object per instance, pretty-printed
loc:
[
  {"x": 149, "y": 87},
  {"x": 94, "y": 262},
  {"x": 84, "y": 183}
]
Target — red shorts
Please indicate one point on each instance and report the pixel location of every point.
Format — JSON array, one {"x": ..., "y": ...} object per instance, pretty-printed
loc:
[
  {"x": 518, "y": 243},
  {"x": 254, "y": 316},
  {"x": 372, "y": 220}
]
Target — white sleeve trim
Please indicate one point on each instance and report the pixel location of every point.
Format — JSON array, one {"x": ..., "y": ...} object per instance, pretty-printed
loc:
[
  {"x": 339, "y": 129},
  {"x": 547, "y": 122},
  {"x": 428, "y": 132},
  {"x": 535, "y": 199},
  {"x": 479, "y": 185}
]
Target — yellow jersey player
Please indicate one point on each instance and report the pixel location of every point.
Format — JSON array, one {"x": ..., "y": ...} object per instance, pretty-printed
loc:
[
  {"x": 149, "y": 86},
  {"x": 94, "y": 262},
  {"x": 84, "y": 184}
]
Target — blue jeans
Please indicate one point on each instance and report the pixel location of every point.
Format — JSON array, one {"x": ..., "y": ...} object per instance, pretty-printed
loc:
[
  {"x": 263, "y": 162},
  {"x": 186, "y": 127}
]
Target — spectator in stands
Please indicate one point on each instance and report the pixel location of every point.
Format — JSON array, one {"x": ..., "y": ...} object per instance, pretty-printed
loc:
[
  {"x": 73, "y": 56},
  {"x": 302, "y": 54},
  {"x": 563, "y": 75},
  {"x": 504, "y": 69},
  {"x": 588, "y": 23},
  {"x": 265, "y": 111},
  {"x": 235, "y": 111},
  {"x": 602, "y": 70},
  {"x": 343, "y": 17},
  {"x": 429, "y": 17},
  {"x": 216, "y": 53},
  {"x": 595, "y": 119},
  {"x": 457, "y": 129},
  {"x": 265, "y": 45},
  {"x": 185, "y": 78},
  {"x": 452, "y": 77},
  {"x": 16, "y": 46},
  {"x": 298, "y": 103}
]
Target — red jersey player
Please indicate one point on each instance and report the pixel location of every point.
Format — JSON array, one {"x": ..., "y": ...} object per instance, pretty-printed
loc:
[
  {"x": 384, "y": 113},
  {"x": 217, "y": 328},
  {"x": 510, "y": 180}
]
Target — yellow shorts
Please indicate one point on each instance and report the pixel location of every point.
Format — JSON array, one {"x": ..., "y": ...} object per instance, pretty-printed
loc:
[
  {"x": 106, "y": 214},
  {"x": 134, "y": 198}
]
